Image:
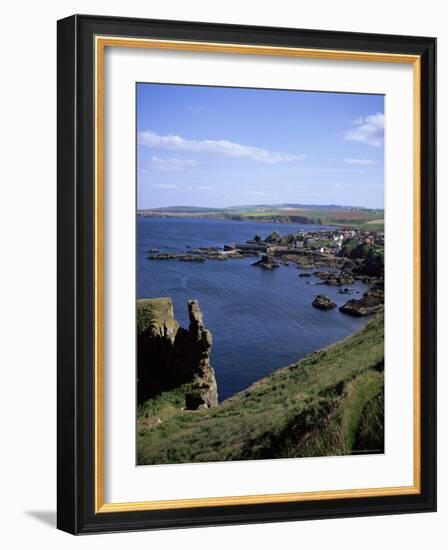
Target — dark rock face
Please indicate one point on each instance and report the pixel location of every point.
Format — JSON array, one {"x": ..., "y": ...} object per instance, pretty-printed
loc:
[
  {"x": 204, "y": 375},
  {"x": 274, "y": 237},
  {"x": 371, "y": 302},
  {"x": 200, "y": 259},
  {"x": 373, "y": 264},
  {"x": 169, "y": 356},
  {"x": 267, "y": 262},
  {"x": 335, "y": 279},
  {"x": 323, "y": 302},
  {"x": 369, "y": 257},
  {"x": 177, "y": 256}
]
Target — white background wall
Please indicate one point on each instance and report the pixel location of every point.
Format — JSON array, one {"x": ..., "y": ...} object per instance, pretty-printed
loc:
[{"x": 28, "y": 272}]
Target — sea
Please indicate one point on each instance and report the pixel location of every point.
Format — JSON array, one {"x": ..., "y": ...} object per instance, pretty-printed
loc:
[{"x": 261, "y": 320}]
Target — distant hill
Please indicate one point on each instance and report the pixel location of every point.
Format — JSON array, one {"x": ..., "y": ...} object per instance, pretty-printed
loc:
[
  {"x": 292, "y": 206},
  {"x": 252, "y": 208},
  {"x": 369, "y": 219},
  {"x": 182, "y": 209}
]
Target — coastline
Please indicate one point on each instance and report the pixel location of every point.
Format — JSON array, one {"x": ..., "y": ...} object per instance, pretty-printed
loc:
[{"x": 248, "y": 299}]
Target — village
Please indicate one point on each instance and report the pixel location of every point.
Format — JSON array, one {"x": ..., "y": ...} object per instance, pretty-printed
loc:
[
  {"x": 314, "y": 247},
  {"x": 321, "y": 242}
]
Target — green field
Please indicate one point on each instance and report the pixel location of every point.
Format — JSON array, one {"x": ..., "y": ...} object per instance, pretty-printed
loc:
[
  {"x": 359, "y": 218},
  {"x": 330, "y": 403}
]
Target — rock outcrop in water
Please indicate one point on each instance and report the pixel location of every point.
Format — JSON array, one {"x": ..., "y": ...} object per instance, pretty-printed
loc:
[
  {"x": 323, "y": 302},
  {"x": 371, "y": 302},
  {"x": 267, "y": 262},
  {"x": 169, "y": 356}
]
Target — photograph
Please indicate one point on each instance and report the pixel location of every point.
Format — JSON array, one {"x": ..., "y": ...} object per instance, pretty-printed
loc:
[
  {"x": 260, "y": 237},
  {"x": 246, "y": 273}
]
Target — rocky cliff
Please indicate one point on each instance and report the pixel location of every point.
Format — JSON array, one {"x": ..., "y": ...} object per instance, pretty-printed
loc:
[{"x": 170, "y": 356}]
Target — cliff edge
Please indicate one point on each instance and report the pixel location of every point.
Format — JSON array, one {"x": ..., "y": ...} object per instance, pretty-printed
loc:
[{"x": 171, "y": 357}]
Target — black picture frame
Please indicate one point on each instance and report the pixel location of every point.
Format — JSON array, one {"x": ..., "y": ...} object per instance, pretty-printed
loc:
[{"x": 76, "y": 285}]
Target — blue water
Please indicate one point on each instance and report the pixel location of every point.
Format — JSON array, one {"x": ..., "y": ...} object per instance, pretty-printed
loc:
[{"x": 261, "y": 320}]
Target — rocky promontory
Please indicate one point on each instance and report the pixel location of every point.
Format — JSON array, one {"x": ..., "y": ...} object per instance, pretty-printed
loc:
[
  {"x": 170, "y": 356},
  {"x": 371, "y": 302},
  {"x": 332, "y": 278},
  {"x": 267, "y": 262}
]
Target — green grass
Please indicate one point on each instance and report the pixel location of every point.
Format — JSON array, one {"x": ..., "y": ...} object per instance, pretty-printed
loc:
[
  {"x": 361, "y": 219},
  {"x": 374, "y": 225},
  {"x": 154, "y": 312},
  {"x": 360, "y": 391},
  {"x": 370, "y": 432},
  {"x": 258, "y": 214},
  {"x": 317, "y": 407}
]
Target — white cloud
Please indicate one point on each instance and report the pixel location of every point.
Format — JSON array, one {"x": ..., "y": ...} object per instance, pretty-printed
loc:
[
  {"x": 341, "y": 185},
  {"x": 197, "y": 188},
  {"x": 166, "y": 186},
  {"x": 359, "y": 161},
  {"x": 204, "y": 188},
  {"x": 222, "y": 146},
  {"x": 157, "y": 163},
  {"x": 368, "y": 129},
  {"x": 184, "y": 187}
]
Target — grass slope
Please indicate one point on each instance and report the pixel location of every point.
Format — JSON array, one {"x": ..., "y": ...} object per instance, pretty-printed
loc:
[{"x": 330, "y": 403}]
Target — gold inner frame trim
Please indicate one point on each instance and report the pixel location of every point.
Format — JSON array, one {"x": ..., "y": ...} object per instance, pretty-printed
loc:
[{"x": 101, "y": 42}]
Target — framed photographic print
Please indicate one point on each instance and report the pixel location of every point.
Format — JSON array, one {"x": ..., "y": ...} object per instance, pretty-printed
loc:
[{"x": 246, "y": 271}]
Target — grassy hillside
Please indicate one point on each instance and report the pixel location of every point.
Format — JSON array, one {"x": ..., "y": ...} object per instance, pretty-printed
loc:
[
  {"x": 330, "y": 403},
  {"x": 359, "y": 218}
]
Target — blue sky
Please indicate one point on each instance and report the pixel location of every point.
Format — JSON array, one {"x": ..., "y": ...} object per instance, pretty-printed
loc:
[{"x": 214, "y": 146}]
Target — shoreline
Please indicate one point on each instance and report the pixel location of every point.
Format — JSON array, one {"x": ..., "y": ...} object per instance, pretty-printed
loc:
[
  {"x": 339, "y": 257},
  {"x": 296, "y": 364},
  {"x": 336, "y": 260}
]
